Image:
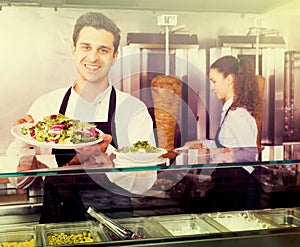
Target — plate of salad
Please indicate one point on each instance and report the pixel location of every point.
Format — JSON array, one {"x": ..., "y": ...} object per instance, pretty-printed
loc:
[
  {"x": 141, "y": 151},
  {"x": 58, "y": 131}
]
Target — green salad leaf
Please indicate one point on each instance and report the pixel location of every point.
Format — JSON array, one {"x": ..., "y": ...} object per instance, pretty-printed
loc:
[
  {"x": 58, "y": 128},
  {"x": 140, "y": 146}
]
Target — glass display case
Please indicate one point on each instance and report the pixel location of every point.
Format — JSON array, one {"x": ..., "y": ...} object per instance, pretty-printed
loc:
[{"x": 200, "y": 197}]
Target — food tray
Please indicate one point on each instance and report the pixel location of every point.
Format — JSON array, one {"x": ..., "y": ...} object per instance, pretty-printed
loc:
[
  {"x": 284, "y": 217},
  {"x": 141, "y": 227},
  {"x": 296, "y": 211},
  {"x": 56, "y": 234},
  {"x": 242, "y": 221},
  {"x": 19, "y": 236},
  {"x": 185, "y": 224}
]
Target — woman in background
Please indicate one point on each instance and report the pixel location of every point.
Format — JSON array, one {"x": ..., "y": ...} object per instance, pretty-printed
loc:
[{"x": 235, "y": 83}]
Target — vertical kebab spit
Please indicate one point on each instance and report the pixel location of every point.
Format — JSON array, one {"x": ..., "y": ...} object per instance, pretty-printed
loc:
[
  {"x": 261, "y": 86},
  {"x": 166, "y": 95}
]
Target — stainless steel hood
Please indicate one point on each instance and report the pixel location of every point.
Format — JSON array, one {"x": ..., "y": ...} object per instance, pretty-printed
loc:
[
  {"x": 157, "y": 40},
  {"x": 250, "y": 41}
]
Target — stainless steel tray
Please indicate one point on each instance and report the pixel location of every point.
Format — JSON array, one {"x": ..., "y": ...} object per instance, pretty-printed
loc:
[
  {"x": 185, "y": 224},
  {"x": 285, "y": 217},
  {"x": 57, "y": 234},
  {"x": 17, "y": 236},
  {"x": 242, "y": 221}
]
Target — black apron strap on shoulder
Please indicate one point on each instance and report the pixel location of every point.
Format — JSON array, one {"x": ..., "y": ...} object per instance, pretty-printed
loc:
[
  {"x": 111, "y": 118},
  {"x": 65, "y": 101},
  {"x": 217, "y": 141}
]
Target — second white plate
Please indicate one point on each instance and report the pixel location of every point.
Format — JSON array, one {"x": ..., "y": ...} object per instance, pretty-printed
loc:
[{"x": 122, "y": 162}]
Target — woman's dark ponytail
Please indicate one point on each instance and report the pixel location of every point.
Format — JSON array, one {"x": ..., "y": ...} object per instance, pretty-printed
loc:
[{"x": 245, "y": 84}]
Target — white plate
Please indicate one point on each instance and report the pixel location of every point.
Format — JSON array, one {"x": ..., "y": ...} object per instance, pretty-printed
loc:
[
  {"x": 179, "y": 149},
  {"x": 122, "y": 162},
  {"x": 140, "y": 157},
  {"x": 16, "y": 132}
]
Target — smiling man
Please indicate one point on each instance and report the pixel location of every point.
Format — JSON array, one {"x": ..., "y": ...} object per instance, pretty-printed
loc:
[
  {"x": 94, "y": 55},
  {"x": 91, "y": 98}
]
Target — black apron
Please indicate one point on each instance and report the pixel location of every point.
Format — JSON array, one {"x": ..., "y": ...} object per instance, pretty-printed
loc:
[
  {"x": 235, "y": 188},
  {"x": 66, "y": 198},
  {"x": 63, "y": 156}
]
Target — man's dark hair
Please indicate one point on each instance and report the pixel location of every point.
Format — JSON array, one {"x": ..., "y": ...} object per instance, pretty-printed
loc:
[{"x": 98, "y": 21}]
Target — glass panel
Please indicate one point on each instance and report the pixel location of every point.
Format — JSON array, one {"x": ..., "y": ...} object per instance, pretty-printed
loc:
[{"x": 181, "y": 160}]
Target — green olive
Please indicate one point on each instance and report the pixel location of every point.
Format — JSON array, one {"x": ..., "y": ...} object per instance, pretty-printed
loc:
[{"x": 63, "y": 238}]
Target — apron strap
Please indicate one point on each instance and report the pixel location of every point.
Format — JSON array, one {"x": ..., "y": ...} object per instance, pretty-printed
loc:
[
  {"x": 64, "y": 103},
  {"x": 217, "y": 141}
]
